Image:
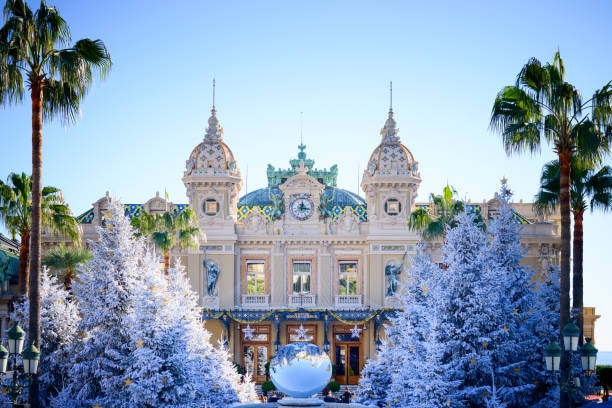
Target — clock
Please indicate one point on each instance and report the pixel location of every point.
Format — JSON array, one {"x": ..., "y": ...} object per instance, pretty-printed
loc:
[{"x": 301, "y": 207}]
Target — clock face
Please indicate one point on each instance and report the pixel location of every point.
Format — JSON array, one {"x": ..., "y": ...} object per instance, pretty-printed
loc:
[{"x": 302, "y": 207}]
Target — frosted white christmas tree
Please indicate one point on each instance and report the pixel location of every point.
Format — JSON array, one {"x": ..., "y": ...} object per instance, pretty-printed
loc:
[
  {"x": 419, "y": 372},
  {"x": 142, "y": 342},
  {"x": 59, "y": 318}
]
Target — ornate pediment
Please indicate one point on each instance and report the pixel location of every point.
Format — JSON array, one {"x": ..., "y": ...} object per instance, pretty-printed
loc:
[{"x": 301, "y": 182}]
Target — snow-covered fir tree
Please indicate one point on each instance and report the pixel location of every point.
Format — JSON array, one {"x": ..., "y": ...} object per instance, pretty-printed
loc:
[
  {"x": 418, "y": 377},
  {"x": 516, "y": 350},
  {"x": 468, "y": 325},
  {"x": 142, "y": 342},
  {"x": 59, "y": 318},
  {"x": 375, "y": 379},
  {"x": 214, "y": 363},
  {"x": 418, "y": 374},
  {"x": 545, "y": 323},
  {"x": 104, "y": 293}
]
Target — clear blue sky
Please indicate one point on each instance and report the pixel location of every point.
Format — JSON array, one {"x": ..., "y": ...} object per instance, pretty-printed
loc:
[{"x": 331, "y": 60}]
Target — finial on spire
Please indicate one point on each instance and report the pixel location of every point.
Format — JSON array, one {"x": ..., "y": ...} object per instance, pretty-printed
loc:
[
  {"x": 390, "y": 98},
  {"x": 213, "y": 107}
]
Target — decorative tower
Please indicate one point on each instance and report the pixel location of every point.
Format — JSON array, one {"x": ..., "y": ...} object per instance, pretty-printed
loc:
[
  {"x": 213, "y": 181},
  {"x": 390, "y": 181}
]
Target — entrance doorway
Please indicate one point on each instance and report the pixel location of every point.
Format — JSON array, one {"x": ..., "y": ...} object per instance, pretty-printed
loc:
[
  {"x": 256, "y": 351},
  {"x": 347, "y": 355}
]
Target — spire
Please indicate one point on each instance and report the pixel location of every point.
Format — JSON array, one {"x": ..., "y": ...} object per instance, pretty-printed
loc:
[
  {"x": 389, "y": 132},
  {"x": 390, "y": 99},
  {"x": 214, "y": 131},
  {"x": 213, "y": 111}
]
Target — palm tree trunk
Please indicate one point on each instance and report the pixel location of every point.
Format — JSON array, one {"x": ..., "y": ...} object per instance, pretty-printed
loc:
[
  {"x": 68, "y": 278},
  {"x": 166, "y": 262},
  {"x": 577, "y": 290},
  {"x": 564, "y": 199},
  {"x": 34, "y": 278},
  {"x": 24, "y": 264}
]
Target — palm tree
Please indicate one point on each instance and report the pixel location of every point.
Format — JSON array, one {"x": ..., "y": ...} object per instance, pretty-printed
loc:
[
  {"x": 168, "y": 230},
  {"x": 542, "y": 106},
  {"x": 31, "y": 45},
  {"x": 588, "y": 189},
  {"x": 66, "y": 258},
  {"x": 16, "y": 214},
  {"x": 445, "y": 208}
]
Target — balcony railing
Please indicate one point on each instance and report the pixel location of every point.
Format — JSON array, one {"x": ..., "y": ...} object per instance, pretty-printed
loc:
[
  {"x": 255, "y": 301},
  {"x": 348, "y": 301},
  {"x": 302, "y": 300}
]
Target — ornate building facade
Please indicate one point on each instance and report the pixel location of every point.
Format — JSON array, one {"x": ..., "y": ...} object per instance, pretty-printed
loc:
[{"x": 302, "y": 259}]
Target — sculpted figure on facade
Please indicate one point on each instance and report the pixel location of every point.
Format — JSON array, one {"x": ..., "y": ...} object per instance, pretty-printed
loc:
[
  {"x": 212, "y": 275},
  {"x": 278, "y": 206},
  {"x": 392, "y": 273},
  {"x": 256, "y": 222},
  {"x": 347, "y": 222},
  {"x": 325, "y": 206}
]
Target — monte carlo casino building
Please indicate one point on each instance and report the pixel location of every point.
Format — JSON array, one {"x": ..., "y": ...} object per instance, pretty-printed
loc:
[{"x": 301, "y": 258}]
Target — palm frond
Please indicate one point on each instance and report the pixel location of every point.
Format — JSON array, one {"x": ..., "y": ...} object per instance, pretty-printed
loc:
[{"x": 419, "y": 219}]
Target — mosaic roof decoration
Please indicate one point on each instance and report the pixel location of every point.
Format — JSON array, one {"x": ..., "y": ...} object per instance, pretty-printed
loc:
[
  {"x": 131, "y": 210},
  {"x": 259, "y": 199},
  {"x": 359, "y": 210}
]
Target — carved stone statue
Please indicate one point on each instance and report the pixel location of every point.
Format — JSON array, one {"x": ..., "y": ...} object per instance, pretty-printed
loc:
[
  {"x": 212, "y": 275},
  {"x": 255, "y": 222},
  {"x": 392, "y": 272},
  {"x": 347, "y": 222},
  {"x": 278, "y": 205}
]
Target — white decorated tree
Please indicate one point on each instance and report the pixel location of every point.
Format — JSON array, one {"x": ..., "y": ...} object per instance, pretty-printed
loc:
[
  {"x": 418, "y": 376},
  {"x": 59, "y": 319},
  {"x": 220, "y": 380},
  {"x": 517, "y": 350},
  {"x": 468, "y": 327},
  {"x": 104, "y": 293},
  {"x": 142, "y": 343},
  {"x": 375, "y": 379}
]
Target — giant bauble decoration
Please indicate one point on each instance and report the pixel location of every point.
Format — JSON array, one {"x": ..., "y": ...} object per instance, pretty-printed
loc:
[{"x": 300, "y": 369}]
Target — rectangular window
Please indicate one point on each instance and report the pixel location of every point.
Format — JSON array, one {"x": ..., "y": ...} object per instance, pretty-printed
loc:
[
  {"x": 301, "y": 278},
  {"x": 255, "y": 278},
  {"x": 347, "y": 284}
]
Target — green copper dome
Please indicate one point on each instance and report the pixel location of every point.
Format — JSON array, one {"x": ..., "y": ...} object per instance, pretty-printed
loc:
[{"x": 342, "y": 197}]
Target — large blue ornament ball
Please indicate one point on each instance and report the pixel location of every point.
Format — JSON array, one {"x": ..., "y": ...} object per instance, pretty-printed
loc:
[{"x": 300, "y": 369}]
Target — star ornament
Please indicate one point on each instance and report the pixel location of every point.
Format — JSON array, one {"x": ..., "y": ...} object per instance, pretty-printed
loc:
[
  {"x": 96, "y": 406},
  {"x": 517, "y": 370},
  {"x": 139, "y": 343},
  {"x": 425, "y": 288},
  {"x": 128, "y": 382},
  {"x": 473, "y": 361},
  {"x": 355, "y": 332},
  {"x": 248, "y": 332},
  {"x": 301, "y": 332}
]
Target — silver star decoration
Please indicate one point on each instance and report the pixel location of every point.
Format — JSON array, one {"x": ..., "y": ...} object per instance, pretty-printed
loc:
[
  {"x": 355, "y": 332},
  {"x": 248, "y": 332},
  {"x": 301, "y": 332}
]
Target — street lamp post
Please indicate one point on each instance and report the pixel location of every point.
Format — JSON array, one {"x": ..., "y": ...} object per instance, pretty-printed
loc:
[
  {"x": 552, "y": 356},
  {"x": 30, "y": 357}
]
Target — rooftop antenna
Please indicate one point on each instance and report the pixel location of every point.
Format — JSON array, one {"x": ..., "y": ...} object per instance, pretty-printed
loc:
[
  {"x": 390, "y": 96},
  {"x": 214, "y": 86},
  {"x": 301, "y": 128}
]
